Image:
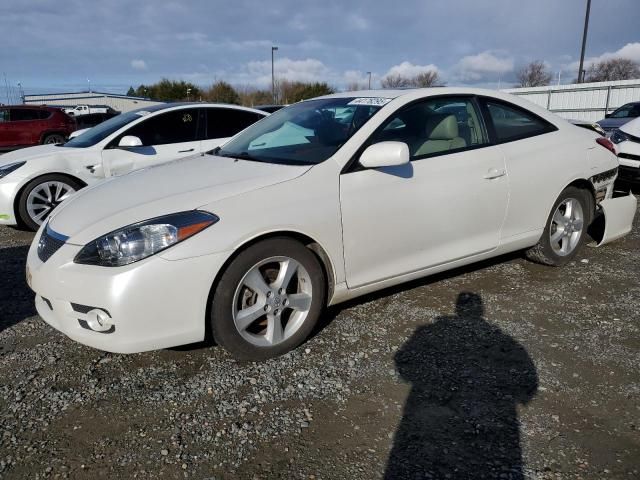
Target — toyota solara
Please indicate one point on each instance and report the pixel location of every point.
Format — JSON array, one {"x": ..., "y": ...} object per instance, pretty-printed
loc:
[{"x": 320, "y": 202}]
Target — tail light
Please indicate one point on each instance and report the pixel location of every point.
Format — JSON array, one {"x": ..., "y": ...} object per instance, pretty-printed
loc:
[{"x": 606, "y": 143}]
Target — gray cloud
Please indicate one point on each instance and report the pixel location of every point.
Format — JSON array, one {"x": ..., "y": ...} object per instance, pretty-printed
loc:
[{"x": 52, "y": 44}]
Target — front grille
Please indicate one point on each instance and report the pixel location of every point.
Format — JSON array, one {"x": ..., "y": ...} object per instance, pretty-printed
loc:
[
  {"x": 49, "y": 243},
  {"x": 629, "y": 156}
]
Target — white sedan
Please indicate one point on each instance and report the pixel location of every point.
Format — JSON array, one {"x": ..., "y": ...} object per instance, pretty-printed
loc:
[
  {"x": 627, "y": 143},
  {"x": 33, "y": 181},
  {"x": 304, "y": 210}
]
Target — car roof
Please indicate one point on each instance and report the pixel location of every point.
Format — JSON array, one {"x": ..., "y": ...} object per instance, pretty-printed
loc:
[
  {"x": 31, "y": 107},
  {"x": 401, "y": 92},
  {"x": 180, "y": 105}
]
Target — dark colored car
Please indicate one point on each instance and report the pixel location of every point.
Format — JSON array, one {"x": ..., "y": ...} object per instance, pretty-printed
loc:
[
  {"x": 620, "y": 116},
  {"x": 269, "y": 108},
  {"x": 93, "y": 119},
  {"x": 27, "y": 125}
]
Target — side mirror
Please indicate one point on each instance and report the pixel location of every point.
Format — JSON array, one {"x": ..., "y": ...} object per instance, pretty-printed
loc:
[
  {"x": 607, "y": 115},
  {"x": 129, "y": 141},
  {"x": 385, "y": 154}
]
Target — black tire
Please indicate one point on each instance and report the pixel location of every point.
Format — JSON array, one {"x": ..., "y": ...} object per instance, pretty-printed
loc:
[
  {"x": 543, "y": 251},
  {"x": 53, "y": 138},
  {"x": 23, "y": 216},
  {"x": 223, "y": 327}
]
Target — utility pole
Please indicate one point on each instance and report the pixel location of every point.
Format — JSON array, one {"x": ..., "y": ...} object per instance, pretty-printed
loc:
[
  {"x": 273, "y": 78},
  {"x": 369, "y": 73},
  {"x": 584, "y": 43}
]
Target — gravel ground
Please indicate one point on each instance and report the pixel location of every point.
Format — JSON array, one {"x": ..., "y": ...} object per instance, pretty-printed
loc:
[{"x": 503, "y": 370}]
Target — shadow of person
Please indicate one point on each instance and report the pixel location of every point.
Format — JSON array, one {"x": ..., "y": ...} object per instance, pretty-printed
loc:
[
  {"x": 460, "y": 419},
  {"x": 16, "y": 299}
]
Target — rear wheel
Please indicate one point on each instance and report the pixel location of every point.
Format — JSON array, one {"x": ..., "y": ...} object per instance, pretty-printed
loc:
[
  {"x": 53, "y": 139},
  {"x": 268, "y": 300},
  {"x": 566, "y": 228},
  {"x": 41, "y": 196}
]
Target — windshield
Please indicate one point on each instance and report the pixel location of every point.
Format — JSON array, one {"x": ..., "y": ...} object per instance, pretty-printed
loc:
[
  {"x": 104, "y": 129},
  {"x": 305, "y": 133}
]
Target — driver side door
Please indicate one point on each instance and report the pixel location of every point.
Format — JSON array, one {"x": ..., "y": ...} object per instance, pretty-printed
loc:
[
  {"x": 165, "y": 137},
  {"x": 448, "y": 203}
]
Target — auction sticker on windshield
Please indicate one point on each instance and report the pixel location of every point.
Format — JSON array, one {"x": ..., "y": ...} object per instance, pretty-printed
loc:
[{"x": 371, "y": 101}]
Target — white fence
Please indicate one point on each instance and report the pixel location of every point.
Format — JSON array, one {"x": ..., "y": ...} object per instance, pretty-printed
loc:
[{"x": 582, "y": 101}]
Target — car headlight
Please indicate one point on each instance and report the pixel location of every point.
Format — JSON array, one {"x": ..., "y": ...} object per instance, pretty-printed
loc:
[
  {"x": 7, "y": 169},
  {"x": 618, "y": 137},
  {"x": 141, "y": 240}
]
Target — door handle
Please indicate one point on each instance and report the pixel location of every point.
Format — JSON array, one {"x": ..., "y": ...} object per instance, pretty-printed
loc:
[
  {"x": 185, "y": 151},
  {"x": 494, "y": 173}
]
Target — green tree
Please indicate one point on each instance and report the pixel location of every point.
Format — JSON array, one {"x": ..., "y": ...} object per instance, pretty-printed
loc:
[
  {"x": 170, "y": 90},
  {"x": 291, "y": 92},
  {"x": 131, "y": 92},
  {"x": 222, "y": 92}
]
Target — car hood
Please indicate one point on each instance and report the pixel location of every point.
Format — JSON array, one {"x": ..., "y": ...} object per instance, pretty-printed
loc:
[
  {"x": 632, "y": 127},
  {"x": 609, "y": 123},
  {"x": 34, "y": 153},
  {"x": 180, "y": 185}
]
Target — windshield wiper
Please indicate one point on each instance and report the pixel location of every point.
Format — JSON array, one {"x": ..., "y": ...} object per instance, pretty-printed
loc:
[{"x": 239, "y": 156}]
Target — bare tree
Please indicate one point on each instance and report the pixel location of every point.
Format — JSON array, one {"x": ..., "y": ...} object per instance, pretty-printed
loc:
[
  {"x": 426, "y": 79},
  {"x": 534, "y": 75},
  {"x": 429, "y": 78},
  {"x": 614, "y": 69},
  {"x": 395, "y": 81}
]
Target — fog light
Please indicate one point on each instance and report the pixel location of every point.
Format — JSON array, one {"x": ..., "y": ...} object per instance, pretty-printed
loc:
[{"x": 99, "y": 320}]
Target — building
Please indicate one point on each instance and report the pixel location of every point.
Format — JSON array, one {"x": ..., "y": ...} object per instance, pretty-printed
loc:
[
  {"x": 121, "y": 103},
  {"x": 582, "y": 101}
]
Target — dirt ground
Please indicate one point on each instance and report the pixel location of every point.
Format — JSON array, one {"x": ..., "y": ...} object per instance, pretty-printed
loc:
[{"x": 506, "y": 369}]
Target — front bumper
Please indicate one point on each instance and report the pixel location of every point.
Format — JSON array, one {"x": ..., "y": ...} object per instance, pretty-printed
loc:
[
  {"x": 8, "y": 190},
  {"x": 151, "y": 304},
  {"x": 629, "y": 170}
]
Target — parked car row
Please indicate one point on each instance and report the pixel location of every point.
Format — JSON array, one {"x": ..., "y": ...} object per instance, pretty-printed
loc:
[
  {"x": 34, "y": 181},
  {"x": 318, "y": 203}
]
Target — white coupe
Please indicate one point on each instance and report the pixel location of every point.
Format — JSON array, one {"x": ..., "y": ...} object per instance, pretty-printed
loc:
[
  {"x": 33, "y": 181},
  {"x": 323, "y": 201}
]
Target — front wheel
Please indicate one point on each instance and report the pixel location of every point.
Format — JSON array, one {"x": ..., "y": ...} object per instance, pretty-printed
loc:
[
  {"x": 268, "y": 300},
  {"x": 41, "y": 196},
  {"x": 565, "y": 231}
]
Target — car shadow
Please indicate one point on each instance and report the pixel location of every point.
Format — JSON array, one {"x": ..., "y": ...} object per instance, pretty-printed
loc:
[
  {"x": 16, "y": 299},
  {"x": 460, "y": 419}
]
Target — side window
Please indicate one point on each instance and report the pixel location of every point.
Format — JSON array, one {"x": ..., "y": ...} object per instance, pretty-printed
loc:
[
  {"x": 44, "y": 114},
  {"x": 177, "y": 126},
  {"x": 434, "y": 127},
  {"x": 226, "y": 122},
  {"x": 4, "y": 115},
  {"x": 513, "y": 123},
  {"x": 23, "y": 114}
]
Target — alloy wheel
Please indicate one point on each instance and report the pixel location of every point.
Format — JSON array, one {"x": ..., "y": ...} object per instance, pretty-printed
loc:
[
  {"x": 567, "y": 226},
  {"x": 45, "y": 197},
  {"x": 272, "y": 301}
]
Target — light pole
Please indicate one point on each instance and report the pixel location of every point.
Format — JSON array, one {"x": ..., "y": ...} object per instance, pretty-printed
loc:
[
  {"x": 369, "y": 73},
  {"x": 273, "y": 78},
  {"x": 584, "y": 43}
]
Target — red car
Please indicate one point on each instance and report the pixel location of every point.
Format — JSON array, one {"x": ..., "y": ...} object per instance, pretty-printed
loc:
[{"x": 26, "y": 125}]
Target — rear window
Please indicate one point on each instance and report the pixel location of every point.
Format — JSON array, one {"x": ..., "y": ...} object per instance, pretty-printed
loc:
[{"x": 513, "y": 123}]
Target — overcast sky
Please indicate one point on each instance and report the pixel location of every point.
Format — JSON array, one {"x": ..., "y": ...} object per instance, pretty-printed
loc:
[{"x": 53, "y": 45}]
